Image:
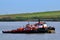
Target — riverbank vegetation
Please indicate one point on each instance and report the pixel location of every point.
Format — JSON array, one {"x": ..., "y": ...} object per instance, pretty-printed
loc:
[{"x": 45, "y": 16}]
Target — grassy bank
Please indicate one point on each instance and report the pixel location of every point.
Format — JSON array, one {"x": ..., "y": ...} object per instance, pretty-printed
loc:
[{"x": 50, "y": 15}]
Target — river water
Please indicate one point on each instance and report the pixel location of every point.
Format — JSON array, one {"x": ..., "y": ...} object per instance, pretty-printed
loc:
[{"x": 15, "y": 25}]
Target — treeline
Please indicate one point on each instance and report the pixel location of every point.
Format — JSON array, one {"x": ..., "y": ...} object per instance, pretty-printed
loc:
[
  {"x": 30, "y": 18},
  {"x": 44, "y": 16}
]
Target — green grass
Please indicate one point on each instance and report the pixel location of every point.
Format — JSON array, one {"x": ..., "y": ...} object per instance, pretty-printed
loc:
[{"x": 49, "y": 14}]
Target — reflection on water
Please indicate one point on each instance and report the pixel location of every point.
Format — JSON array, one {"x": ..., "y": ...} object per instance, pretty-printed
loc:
[{"x": 14, "y": 25}]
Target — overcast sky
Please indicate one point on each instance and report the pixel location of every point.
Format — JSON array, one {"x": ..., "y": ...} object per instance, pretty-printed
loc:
[{"x": 22, "y": 6}]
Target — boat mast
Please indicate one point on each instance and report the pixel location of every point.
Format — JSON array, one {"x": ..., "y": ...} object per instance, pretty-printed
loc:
[{"x": 38, "y": 20}]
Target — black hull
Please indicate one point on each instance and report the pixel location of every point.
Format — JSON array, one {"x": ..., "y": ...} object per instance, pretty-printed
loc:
[{"x": 39, "y": 30}]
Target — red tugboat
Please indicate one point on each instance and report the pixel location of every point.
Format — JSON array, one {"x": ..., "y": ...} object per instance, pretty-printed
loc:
[{"x": 40, "y": 27}]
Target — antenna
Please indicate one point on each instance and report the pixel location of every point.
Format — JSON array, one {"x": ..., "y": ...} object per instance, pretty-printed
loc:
[
  {"x": 28, "y": 21},
  {"x": 38, "y": 20}
]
